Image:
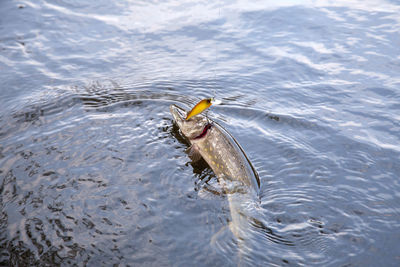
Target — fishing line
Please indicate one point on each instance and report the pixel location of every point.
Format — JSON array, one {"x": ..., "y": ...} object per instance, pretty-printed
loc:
[{"x": 216, "y": 57}]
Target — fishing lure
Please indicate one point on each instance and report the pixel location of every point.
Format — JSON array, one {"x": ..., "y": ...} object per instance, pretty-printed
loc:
[{"x": 200, "y": 107}]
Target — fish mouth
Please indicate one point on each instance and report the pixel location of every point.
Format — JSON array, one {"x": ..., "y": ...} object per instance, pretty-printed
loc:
[
  {"x": 179, "y": 115},
  {"x": 177, "y": 112}
]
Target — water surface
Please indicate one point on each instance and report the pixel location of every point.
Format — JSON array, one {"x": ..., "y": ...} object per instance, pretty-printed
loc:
[{"x": 93, "y": 171}]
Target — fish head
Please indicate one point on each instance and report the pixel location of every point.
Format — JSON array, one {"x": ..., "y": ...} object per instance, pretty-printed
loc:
[{"x": 192, "y": 128}]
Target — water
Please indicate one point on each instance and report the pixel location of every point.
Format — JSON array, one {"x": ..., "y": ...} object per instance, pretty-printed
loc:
[{"x": 93, "y": 171}]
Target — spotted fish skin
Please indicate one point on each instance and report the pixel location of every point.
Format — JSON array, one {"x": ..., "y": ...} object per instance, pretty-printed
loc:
[
  {"x": 230, "y": 164},
  {"x": 220, "y": 150},
  {"x": 228, "y": 161}
]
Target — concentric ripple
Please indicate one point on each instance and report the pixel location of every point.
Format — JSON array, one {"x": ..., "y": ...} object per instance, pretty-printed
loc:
[{"x": 94, "y": 172}]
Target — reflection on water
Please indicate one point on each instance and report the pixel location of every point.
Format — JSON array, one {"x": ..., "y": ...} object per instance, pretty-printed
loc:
[{"x": 93, "y": 171}]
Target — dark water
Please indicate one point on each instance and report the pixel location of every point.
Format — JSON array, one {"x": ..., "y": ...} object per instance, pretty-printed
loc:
[{"x": 93, "y": 172}]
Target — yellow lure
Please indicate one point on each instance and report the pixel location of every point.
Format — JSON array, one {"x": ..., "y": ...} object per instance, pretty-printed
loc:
[{"x": 200, "y": 107}]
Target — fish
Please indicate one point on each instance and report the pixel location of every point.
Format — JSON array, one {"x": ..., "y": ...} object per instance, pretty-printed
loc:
[
  {"x": 199, "y": 107},
  {"x": 236, "y": 174}
]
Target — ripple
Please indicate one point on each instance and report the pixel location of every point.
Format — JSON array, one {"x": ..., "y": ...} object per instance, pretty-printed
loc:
[{"x": 92, "y": 170}]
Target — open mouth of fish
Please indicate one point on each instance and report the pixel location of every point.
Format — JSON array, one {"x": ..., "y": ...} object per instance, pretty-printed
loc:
[{"x": 180, "y": 114}]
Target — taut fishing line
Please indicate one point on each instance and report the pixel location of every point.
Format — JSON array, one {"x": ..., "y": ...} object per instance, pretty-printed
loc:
[{"x": 215, "y": 101}]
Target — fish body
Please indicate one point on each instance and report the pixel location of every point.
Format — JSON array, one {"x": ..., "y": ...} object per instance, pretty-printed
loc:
[{"x": 227, "y": 159}]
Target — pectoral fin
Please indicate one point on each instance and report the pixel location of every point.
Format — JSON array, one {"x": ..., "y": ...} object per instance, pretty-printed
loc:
[{"x": 193, "y": 153}]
